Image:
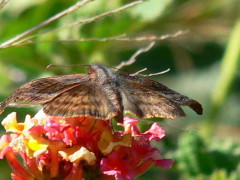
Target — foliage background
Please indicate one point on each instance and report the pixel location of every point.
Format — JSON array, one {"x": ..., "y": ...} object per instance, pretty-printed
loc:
[{"x": 204, "y": 65}]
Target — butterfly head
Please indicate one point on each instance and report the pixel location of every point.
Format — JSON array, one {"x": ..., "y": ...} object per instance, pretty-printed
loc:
[{"x": 100, "y": 70}]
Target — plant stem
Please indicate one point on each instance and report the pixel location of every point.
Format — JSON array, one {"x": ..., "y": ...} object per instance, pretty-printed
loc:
[{"x": 229, "y": 67}]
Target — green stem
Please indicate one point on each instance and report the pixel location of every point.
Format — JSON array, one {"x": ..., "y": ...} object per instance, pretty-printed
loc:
[{"x": 229, "y": 67}]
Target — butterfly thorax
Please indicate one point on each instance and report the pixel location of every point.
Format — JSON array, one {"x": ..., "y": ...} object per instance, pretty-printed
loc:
[
  {"x": 103, "y": 74},
  {"x": 108, "y": 82}
]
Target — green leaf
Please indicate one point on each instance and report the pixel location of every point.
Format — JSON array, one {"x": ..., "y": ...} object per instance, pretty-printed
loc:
[{"x": 151, "y": 9}]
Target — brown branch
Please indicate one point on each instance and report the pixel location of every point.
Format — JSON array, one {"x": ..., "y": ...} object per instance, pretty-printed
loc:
[
  {"x": 133, "y": 58},
  {"x": 45, "y": 23}
]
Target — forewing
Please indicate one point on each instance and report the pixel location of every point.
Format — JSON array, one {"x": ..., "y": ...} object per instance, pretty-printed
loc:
[
  {"x": 84, "y": 100},
  {"x": 42, "y": 90},
  {"x": 147, "y": 104},
  {"x": 147, "y": 98}
]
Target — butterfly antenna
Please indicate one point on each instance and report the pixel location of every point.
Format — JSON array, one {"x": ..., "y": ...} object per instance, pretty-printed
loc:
[
  {"x": 138, "y": 72},
  {"x": 148, "y": 75},
  {"x": 70, "y": 65},
  {"x": 123, "y": 70},
  {"x": 155, "y": 74}
]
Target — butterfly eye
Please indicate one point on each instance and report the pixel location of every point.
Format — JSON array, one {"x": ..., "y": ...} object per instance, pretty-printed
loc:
[{"x": 91, "y": 70}]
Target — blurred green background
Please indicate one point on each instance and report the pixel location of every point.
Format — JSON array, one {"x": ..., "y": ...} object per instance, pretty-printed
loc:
[{"x": 204, "y": 65}]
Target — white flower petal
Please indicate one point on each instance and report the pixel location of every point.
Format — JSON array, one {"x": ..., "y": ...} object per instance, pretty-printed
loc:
[{"x": 83, "y": 154}]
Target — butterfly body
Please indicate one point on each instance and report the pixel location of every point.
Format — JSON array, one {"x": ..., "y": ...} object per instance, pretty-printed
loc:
[{"x": 102, "y": 94}]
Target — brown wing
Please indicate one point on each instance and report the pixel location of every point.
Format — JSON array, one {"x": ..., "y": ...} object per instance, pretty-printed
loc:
[
  {"x": 147, "y": 98},
  {"x": 42, "y": 90},
  {"x": 84, "y": 100}
]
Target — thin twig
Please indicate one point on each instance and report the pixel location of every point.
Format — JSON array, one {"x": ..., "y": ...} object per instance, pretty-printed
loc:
[
  {"x": 133, "y": 58},
  {"x": 70, "y": 65},
  {"x": 142, "y": 50},
  {"x": 45, "y": 23},
  {"x": 17, "y": 42},
  {"x": 26, "y": 41},
  {"x": 122, "y": 37},
  {"x": 91, "y": 19},
  {"x": 84, "y": 21}
]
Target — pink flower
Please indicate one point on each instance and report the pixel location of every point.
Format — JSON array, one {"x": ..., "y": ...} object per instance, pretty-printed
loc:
[
  {"x": 80, "y": 147},
  {"x": 129, "y": 162},
  {"x": 155, "y": 132}
]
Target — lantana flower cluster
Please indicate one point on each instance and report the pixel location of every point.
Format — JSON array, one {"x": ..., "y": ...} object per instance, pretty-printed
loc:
[{"x": 79, "y": 148}]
